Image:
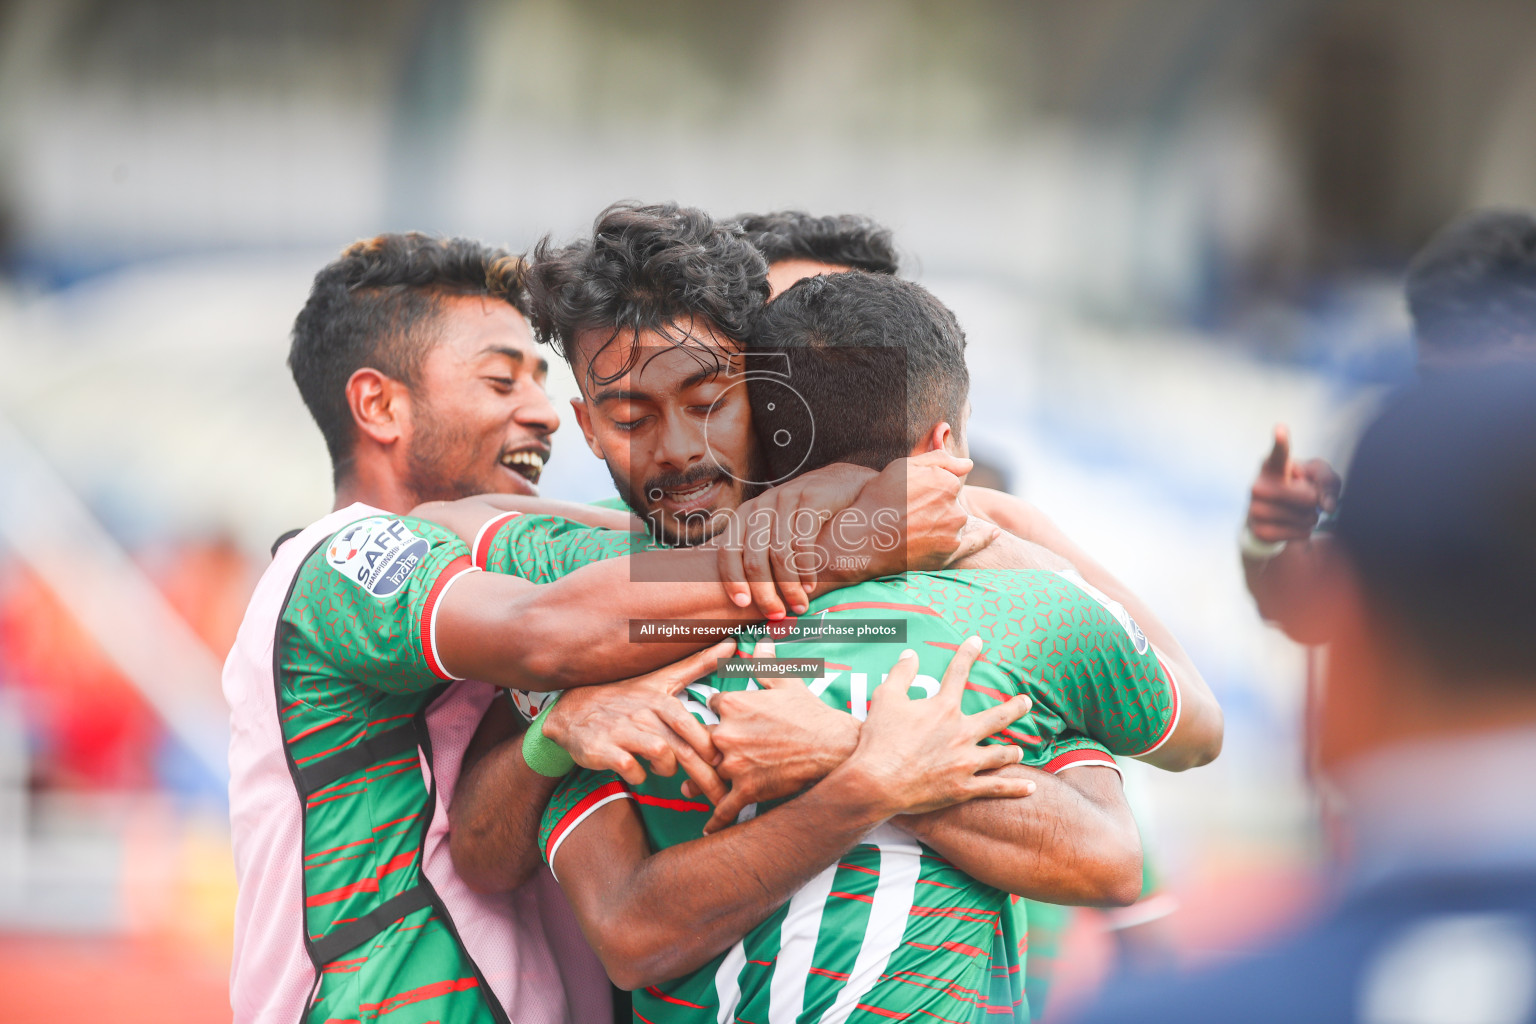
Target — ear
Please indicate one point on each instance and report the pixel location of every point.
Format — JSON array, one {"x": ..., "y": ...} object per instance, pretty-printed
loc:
[
  {"x": 941, "y": 437},
  {"x": 380, "y": 405},
  {"x": 584, "y": 418}
]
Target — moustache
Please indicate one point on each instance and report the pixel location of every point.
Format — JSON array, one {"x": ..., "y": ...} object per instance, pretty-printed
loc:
[{"x": 656, "y": 486}]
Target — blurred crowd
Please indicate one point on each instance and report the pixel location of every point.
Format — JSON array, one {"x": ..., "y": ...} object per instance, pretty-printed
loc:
[{"x": 88, "y": 728}]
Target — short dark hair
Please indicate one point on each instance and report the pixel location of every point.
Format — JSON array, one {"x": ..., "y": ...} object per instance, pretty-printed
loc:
[
  {"x": 376, "y": 306},
  {"x": 645, "y": 268},
  {"x": 1439, "y": 521},
  {"x": 877, "y": 360},
  {"x": 844, "y": 240},
  {"x": 1473, "y": 287}
]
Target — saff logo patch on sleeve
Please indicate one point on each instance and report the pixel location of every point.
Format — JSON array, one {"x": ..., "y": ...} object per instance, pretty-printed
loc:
[{"x": 378, "y": 554}]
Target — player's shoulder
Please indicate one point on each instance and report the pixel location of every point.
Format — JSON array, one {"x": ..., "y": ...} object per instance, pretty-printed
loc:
[
  {"x": 887, "y": 597},
  {"x": 380, "y": 553},
  {"x": 971, "y": 592}
]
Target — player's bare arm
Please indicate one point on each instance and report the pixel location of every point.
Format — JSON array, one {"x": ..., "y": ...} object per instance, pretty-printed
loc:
[
  {"x": 575, "y": 631},
  {"x": 1072, "y": 842},
  {"x": 1197, "y": 738},
  {"x": 493, "y": 820},
  {"x": 775, "y": 544},
  {"x": 613, "y": 728},
  {"x": 656, "y": 916},
  {"x": 494, "y": 817},
  {"x": 466, "y": 515},
  {"x": 778, "y": 740}
]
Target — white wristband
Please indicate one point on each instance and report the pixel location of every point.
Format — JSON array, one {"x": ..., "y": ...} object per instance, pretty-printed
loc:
[{"x": 1260, "y": 550}]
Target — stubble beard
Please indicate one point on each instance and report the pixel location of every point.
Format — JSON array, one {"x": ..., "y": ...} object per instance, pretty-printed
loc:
[
  {"x": 434, "y": 469},
  {"x": 702, "y": 526}
]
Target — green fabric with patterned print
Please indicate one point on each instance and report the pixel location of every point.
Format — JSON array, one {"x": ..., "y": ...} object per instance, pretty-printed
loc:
[
  {"x": 545, "y": 548},
  {"x": 356, "y": 660},
  {"x": 894, "y": 931}
]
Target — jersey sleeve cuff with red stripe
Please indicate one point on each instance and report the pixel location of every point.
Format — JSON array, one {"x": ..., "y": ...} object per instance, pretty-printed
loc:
[
  {"x": 451, "y": 574},
  {"x": 480, "y": 550},
  {"x": 579, "y": 812},
  {"x": 1079, "y": 759},
  {"x": 1174, "y": 699}
]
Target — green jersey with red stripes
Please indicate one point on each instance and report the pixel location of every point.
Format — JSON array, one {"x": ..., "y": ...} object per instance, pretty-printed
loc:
[
  {"x": 356, "y": 664},
  {"x": 894, "y": 931}
]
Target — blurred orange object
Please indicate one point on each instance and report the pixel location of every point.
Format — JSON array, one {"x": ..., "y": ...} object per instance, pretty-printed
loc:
[
  {"x": 127, "y": 980},
  {"x": 98, "y": 732}
]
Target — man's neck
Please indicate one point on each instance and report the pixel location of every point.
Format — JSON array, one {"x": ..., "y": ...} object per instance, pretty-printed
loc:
[{"x": 386, "y": 493}]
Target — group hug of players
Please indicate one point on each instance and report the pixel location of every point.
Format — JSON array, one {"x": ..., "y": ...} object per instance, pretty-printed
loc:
[{"x": 442, "y": 688}]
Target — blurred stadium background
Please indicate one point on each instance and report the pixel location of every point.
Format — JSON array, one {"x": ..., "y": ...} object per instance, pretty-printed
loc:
[{"x": 1166, "y": 225}]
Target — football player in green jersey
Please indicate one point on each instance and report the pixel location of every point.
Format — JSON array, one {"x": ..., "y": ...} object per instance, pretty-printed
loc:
[
  {"x": 651, "y": 274},
  {"x": 797, "y": 245},
  {"x": 1192, "y": 750},
  {"x": 348, "y": 676},
  {"x": 918, "y": 934}
]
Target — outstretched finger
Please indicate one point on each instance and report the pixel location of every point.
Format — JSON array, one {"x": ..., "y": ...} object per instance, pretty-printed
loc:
[
  {"x": 766, "y": 649},
  {"x": 942, "y": 458},
  {"x": 782, "y": 683},
  {"x": 781, "y": 556},
  {"x": 952, "y": 686},
  {"x": 690, "y": 730},
  {"x": 897, "y": 680},
  {"x": 998, "y": 717},
  {"x": 998, "y": 787},
  {"x": 704, "y": 778},
  {"x": 727, "y": 810},
  {"x": 697, "y": 665},
  {"x": 733, "y": 575},
  {"x": 760, "y": 581},
  {"x": 991, "y": 756},
  {"x": 1280, "y": 455}
]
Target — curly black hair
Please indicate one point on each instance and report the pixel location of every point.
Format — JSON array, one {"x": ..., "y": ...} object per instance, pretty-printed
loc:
[
  {"x": 658, "y": 268},
  {"x": 1473, "y": 287},
  {"x": 846, "y": 240},
  {"x": 376, "y": 306}
]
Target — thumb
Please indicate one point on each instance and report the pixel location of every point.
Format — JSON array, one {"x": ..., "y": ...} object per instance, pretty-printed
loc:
[
  {"x": 1279, "y": 456},
  {"x": 696, "y": 666},
  {"x": 975, "y": 535}
]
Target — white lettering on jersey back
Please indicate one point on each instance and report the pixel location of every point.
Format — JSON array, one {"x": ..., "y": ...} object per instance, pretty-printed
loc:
[{"x": 858, "y": 691}]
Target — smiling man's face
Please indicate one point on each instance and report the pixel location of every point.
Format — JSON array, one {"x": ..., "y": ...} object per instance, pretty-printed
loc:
[
  {"x": 672, "y": 422},
  {"x": 480, "y": 419}
]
